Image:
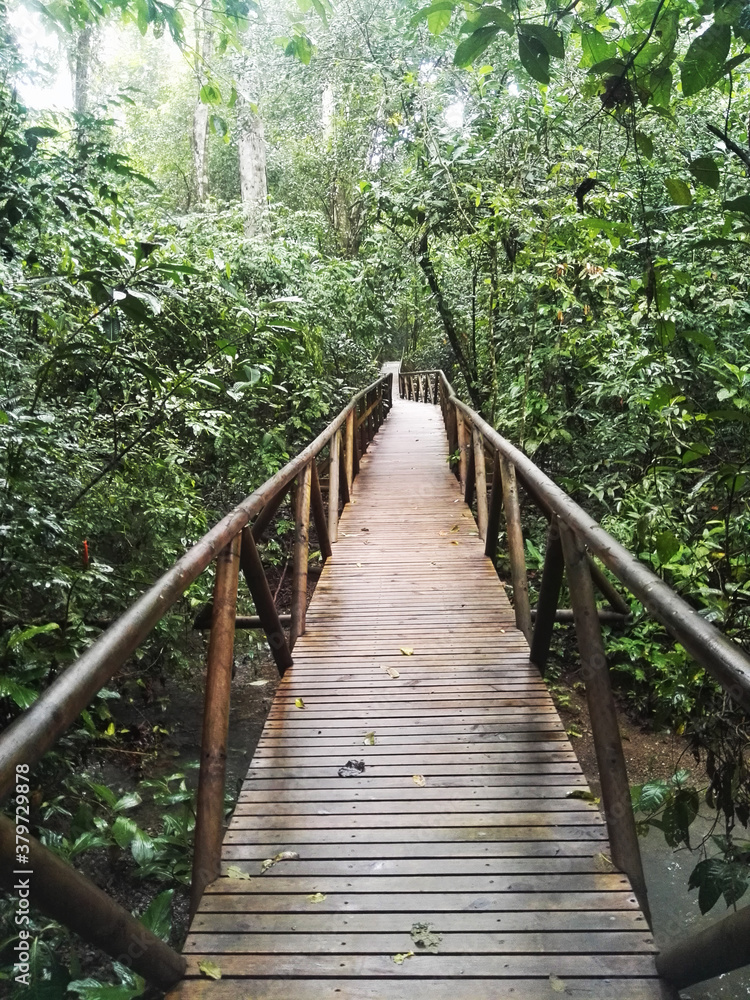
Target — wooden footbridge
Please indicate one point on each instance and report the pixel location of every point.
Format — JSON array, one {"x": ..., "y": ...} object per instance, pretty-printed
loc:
[{"x": 414, "y": 824}]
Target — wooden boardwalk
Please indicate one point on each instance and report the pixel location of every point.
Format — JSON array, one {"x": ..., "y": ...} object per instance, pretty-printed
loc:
[{"x": 430, "y": 788}]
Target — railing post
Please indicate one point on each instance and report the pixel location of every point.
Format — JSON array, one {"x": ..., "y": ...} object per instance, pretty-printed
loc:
[
  {"x": 301, "y": 550},
  {"x": 496, "y": 506},
  {"x": 514, "y": 538},
  {"x": 209, "y": 816},
  {"x": 613, "y": 774},
  {"x": 63, "y": 894},
  {"x": 469, "y": 488},
  {"x": 255, "y": 577},
  {"x": 714, "y": 951},
  {"x": 463, "y": 448},
  {"x": 319, "y": 512},
  {"x": 333, "y": 487},
  {"x": 480, "y": 477},
  {"x": 349, "y": 448},
  {"x": 549, "y": 597}
]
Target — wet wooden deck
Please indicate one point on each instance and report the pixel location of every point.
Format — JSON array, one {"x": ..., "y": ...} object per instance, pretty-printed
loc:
[{"x": 461, "y": 818}]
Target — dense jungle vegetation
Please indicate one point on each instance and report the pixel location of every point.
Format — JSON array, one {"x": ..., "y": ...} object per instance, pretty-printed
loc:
[{"x": 242, "y": 208}]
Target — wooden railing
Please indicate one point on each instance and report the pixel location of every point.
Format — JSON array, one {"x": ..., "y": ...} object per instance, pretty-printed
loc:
[
  {"x": 54, "y": 887},
  {"x": 573, "y": 537}
]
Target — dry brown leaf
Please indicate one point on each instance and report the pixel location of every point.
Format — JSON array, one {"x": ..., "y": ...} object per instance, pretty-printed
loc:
[
  {"x": 455, "y": 528},
  {"x": 283, "y": 856},
  {"x": 419, "y": 779}
]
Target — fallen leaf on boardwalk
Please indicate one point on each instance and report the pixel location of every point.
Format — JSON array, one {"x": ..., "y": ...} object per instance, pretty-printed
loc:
[
  {"x": 557, "y": 984},
  {"x": 316, "y": 897},
  {"x": 359, "y": 565},
  {"x": 454, "y": 542},
  {"x": 364, "y": 529},
  {"x": 369, "y": 739},
  {"x": 283, "y": 856},
  {"x": 352, "y": 769},
  {"x": 425, "y": 938},
  {"x": 443, "y": 533},
  {"x": 402, "y": 957},
  {"x": 210, "y": 969},
  {"x": 583, "y": 794},
  {"x": 299, "y": 703},
  {"x": 234, "y": 872},
  {"x": 418, "y": 779},
  {"x": 603, "y": 863},
  {"x": 502, "y": 631},
  {"x": 392, "y": 672},
  {"x": 455, "y": 528},
  {"x": 407, "y": 650}
]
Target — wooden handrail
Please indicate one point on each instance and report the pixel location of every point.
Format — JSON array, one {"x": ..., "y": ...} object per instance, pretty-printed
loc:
[
  {"x": 67, "y": 895},
  {"x": 29, "y": 736},
  {"x": 572, "y": 532}
]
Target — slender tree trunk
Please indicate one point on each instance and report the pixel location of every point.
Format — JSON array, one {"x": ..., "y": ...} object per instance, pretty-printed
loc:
[
  {"x": 253, "y": 181},
  {"x": 80, "y": 65},
  {"x": 204, "y": 48}
]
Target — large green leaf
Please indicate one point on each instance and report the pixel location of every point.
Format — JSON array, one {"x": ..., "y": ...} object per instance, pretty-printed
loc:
[
  {"x": 552, "y": 40},
  {"x": 679, "y": 192},
  {"x": 704, "y": 61},
  {"x": 489, "y": 15},
  {"x": 534, "y": 57},
  {"x": 473, "y": 46},
  {"x": 705, "y": 171},
  {"x": 595, "y": 48},
  {"x": 158, "y": 916}
]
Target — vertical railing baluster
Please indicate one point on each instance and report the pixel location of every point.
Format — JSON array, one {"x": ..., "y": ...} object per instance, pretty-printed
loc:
[
  {"x": 496, "y": 506},
  {"x": 209, "y": 821},
  {"x": 514, "y": 538},
  {"x": 613, "y": 774},
  {"x": 301, "y": 552},
  {"x": 463, "y": 449},
  {"x": 349, "y": 448},
  {"x": 334, "y": 468},
  {"x": 319, "y": 512},
  {"x": 480, "y": 479},
  {"x": 255, "y": 577},
  {"x": 549, "y": 597}
]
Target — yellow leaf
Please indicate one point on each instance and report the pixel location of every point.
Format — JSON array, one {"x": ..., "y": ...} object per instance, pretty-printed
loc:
[
  {"x": 583, "y": 794},
  {"x": 454, "y": 542},
  {"x": 234, "y": 872},
  {"x": 402, "y": 957},
  {"x": 455, "y": 528},
  {"x": 419, "y": 779},
  {"x": 369, "y": 740},
  {"x": 299, "y": 703},
  {"x": 316, "y": 897},
  {"x": 210, "y": 969},
  {"x": 557, "y": 984},
  {"x": 407, "y": 650},
  {"x": 392, "y": 672}
]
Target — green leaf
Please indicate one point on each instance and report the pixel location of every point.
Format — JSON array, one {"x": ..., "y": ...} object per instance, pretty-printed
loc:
[
  {"x": 210, "y": 94},
  {"x": 705, "y": 171},
  {"x": 698, "y": 337},
  {"x": 667, "y": 546},
  {"x": 142, "y": 847},
  {"x": 741, "y": 204},
  {"x": 438, "y": 7},
  {"x": 704, "y": 61},
  {"x": 595, "y": 48},
  {"x": 679, "y": 192},
  {"x": 157, "y": 917},
  {"x": 123, "y": 831},
  {"x": 473, "y": 46},
  {"x": 18, "y": 638},
  {"x": 129, "y": 801},
  {"x": 20, "y": 694},
  {"x": 645, "y": 144},
  {"x": 552, "y": 40},
  {"x": 438, "y": 21},
  {"x": 534, "y": 57},
  {"x": 489, "y": 14}
]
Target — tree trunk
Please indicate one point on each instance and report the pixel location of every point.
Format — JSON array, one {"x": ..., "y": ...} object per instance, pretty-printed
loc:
[
  {"x": 80, "y": 66},
  {"x": 204, "y": 48},
  {"x": 253, "y": 183}
]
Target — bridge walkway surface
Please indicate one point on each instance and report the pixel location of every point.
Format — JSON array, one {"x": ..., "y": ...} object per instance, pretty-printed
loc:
[{"x": 422, "y": 795}]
